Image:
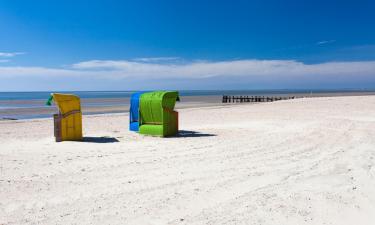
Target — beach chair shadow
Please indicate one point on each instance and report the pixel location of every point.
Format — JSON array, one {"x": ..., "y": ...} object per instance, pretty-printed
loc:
[
  {"x": 188, "y": 133},
  {"x": 100, "y": 139}
]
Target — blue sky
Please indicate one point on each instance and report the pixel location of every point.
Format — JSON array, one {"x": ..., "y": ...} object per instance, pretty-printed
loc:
[{"x": 128, "y": 45}]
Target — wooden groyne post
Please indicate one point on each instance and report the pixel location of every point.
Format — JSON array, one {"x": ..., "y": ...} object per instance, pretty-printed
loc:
[{"x": 243, "y": 99}]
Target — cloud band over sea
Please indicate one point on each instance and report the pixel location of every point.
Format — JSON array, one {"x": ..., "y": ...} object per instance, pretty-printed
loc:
[{"x": 173, "y": 68}]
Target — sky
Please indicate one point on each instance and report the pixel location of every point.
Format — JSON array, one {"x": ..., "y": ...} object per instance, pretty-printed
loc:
[{"x": 192, "y": 45}]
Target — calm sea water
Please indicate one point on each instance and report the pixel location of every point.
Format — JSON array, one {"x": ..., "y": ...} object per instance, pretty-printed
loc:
[{"x": 6, "y": 96}]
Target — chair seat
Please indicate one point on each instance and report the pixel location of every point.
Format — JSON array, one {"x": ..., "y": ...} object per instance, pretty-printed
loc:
[{"x": 151, "y": 129}]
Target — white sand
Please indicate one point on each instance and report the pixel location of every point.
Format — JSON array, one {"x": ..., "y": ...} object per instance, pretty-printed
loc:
[{"x": 303, "y": 161}]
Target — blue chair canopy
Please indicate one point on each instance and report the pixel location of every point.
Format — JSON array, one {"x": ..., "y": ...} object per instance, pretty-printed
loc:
[{"x": 134, "y": 111}]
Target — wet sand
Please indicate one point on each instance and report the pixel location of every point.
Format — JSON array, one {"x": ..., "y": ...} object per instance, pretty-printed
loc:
[
  {"x": 28, "y": 109},
  {"x": 37, "y": 108}
]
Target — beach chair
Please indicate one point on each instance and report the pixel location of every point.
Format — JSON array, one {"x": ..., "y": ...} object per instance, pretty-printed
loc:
[
  {"x": 134, "y": 111},
  {"x": 156, "y": 115},
  {"x": 68, "y": 122}
]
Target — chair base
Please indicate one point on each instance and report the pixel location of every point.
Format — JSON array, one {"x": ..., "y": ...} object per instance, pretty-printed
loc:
[{"x": 134, "y": 126}]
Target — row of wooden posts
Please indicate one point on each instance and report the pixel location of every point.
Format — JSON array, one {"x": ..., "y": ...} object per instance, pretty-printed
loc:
[{"x": 240, "y": 99}]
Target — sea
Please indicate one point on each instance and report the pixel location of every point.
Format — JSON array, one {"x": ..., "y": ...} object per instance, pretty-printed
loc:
[{"x": 26, "y": 105}]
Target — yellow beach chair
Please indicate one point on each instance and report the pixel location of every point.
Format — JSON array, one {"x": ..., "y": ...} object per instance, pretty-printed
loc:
[{"x": 68, "y": 122}]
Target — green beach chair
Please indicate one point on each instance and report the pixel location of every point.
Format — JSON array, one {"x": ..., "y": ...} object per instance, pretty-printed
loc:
[{"x": 156, "y": 113}]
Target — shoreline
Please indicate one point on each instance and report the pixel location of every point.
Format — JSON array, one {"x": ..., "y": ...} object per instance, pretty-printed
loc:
[{"x": 29, "y": 109}]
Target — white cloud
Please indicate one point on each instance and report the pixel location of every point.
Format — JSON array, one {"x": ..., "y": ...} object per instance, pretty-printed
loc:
[
  {"x": 10, "y": 54},
  {"x": 4, "y": 60},
  {"x": 251, "y": 68},
  {"x": 156, "y": 59},
  {"x": 325, "y": 42}
]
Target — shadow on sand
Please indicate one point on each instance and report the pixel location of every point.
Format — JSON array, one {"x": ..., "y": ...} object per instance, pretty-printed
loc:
[
  {"x": 100, "y": 139},
  {"x": 188, "y": 133}
]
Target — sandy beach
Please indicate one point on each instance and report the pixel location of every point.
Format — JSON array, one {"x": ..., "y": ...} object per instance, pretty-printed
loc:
[{"x": 301, "y": 161}]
